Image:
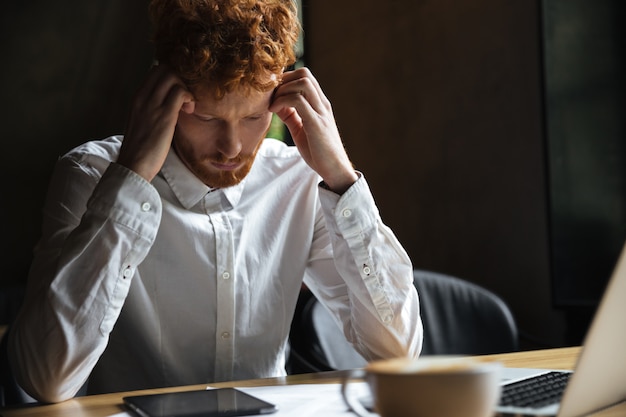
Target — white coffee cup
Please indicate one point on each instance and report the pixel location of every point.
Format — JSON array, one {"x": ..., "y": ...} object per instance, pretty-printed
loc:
[{"x": 436, "y": 386}]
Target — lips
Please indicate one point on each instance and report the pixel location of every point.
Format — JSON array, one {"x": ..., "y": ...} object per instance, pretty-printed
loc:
[{"x": 226, "y": 166}]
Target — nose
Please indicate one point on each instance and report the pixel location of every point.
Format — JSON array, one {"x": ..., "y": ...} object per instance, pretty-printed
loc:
[{"x": 229, "y": 143}]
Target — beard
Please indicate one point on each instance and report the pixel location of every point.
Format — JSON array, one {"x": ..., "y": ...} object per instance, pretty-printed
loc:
[{"x": 201, "y": 165}]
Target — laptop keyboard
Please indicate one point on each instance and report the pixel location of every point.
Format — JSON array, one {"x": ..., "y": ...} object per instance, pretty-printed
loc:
[{"x": 535, "y": 392}]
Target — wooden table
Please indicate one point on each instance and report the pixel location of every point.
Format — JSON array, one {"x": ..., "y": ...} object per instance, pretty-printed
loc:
[{"x": 109, "y": 404}]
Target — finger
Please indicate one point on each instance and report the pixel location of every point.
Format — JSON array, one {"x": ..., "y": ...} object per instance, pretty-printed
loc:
[
  {"x": 171, "y": 89},
  {"x": 303, "y": 73},
  {"x": 292, "y": 120},
  {"x": 162, "y": 87},
  {"x": 296, "y": 108},
  {"x": 189, "y": 107},
  {"x": 290, "y": 117},
  {"x": 301, "y": 85},
  {"x": 151, "y": 82},
  {"x": 304, "y": 100},
  {"x": 178, "y": 98}
]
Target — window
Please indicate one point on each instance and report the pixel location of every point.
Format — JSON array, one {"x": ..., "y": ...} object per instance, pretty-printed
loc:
[{"x": 277, "y": 128}]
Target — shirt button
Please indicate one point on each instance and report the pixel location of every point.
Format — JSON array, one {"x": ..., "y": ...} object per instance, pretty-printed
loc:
[
  {"x": 128, "y": 272},
  {"x": 226, "y": 275},
  {"x": 367, "y": 270},
  {"x": 145, "y": 206},
  {"x": 225, "y": 335},
  {"x": 387, "y": 319},
  {"x": 346, "y": 213}
]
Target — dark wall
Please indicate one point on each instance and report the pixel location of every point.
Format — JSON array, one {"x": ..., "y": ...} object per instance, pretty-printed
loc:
[
  {"x": 68, "y": 71},
  {"x": 585, "y": 45},
  {"x": 440, "y": 104},
  {"x": 481, "y": 125}
]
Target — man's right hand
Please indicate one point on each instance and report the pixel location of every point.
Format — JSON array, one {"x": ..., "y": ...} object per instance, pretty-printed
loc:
[{"x": 153, "y": 118}]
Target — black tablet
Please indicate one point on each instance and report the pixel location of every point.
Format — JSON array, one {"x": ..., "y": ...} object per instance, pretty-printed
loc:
[{"x": 220, "y": 402}]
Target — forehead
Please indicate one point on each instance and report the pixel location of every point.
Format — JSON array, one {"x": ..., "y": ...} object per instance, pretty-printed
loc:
[{"x": 236, "y": 103}]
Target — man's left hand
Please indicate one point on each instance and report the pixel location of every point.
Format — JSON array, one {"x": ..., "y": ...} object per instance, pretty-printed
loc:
[{"x": 306, "y": 111}]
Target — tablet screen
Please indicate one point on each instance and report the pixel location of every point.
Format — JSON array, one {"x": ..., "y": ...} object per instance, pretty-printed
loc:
[{"x": 221, "y": 402}]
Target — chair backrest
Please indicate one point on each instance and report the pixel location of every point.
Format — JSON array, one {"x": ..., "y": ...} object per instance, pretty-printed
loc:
[
  {"x": 315, "y": 338},
  {"x": 459, "y": 317}
]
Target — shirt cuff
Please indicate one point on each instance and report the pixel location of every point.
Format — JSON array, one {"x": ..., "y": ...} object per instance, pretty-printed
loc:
[
  {"x": 353, "y": 212},
  {"x": 128, "y": 199}
]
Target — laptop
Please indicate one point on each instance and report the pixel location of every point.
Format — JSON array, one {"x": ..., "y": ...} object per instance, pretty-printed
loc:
[{"x": 599, "y": 378}]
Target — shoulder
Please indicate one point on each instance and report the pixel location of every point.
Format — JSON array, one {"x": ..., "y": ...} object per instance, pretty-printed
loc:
[
  {"x": 274, "y": 148},
  {"x": 278, "y": 157}
]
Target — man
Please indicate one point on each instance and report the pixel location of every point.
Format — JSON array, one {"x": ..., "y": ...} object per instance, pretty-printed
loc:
[{"x": 175, "y": 255}]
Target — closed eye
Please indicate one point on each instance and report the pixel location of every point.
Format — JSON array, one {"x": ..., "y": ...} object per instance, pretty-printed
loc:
[{"x": 204, "y": 118}]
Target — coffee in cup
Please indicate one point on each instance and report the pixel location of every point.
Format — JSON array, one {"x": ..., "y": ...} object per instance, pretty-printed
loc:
[{"x": 435, "y": 386}]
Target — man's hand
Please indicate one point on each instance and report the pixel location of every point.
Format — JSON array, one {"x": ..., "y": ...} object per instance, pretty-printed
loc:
[
  {"x": 301, "y": 104},
  {"x": 153, "y": 118}
]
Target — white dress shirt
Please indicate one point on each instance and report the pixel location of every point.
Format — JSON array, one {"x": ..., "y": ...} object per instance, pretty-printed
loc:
[{"x": 138, "y": 285}]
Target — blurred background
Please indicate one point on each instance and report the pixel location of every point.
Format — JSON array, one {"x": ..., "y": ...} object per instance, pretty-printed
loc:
[{"x": 491, "y": 132}]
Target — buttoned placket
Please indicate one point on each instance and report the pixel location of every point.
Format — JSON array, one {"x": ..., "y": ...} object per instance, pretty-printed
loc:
[{"x": 225, "y": 271}]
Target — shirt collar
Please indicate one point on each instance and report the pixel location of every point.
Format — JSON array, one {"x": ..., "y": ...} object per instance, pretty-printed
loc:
[{"x": 188, "y": 188}]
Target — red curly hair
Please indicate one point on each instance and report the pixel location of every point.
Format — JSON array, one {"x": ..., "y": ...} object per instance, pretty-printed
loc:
[{"x": 217, "y": 46}]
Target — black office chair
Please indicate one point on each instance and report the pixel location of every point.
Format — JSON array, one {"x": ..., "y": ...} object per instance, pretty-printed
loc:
[
  {"x": 316, "y": 343},
  {"x": 458, "y": 317}
]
